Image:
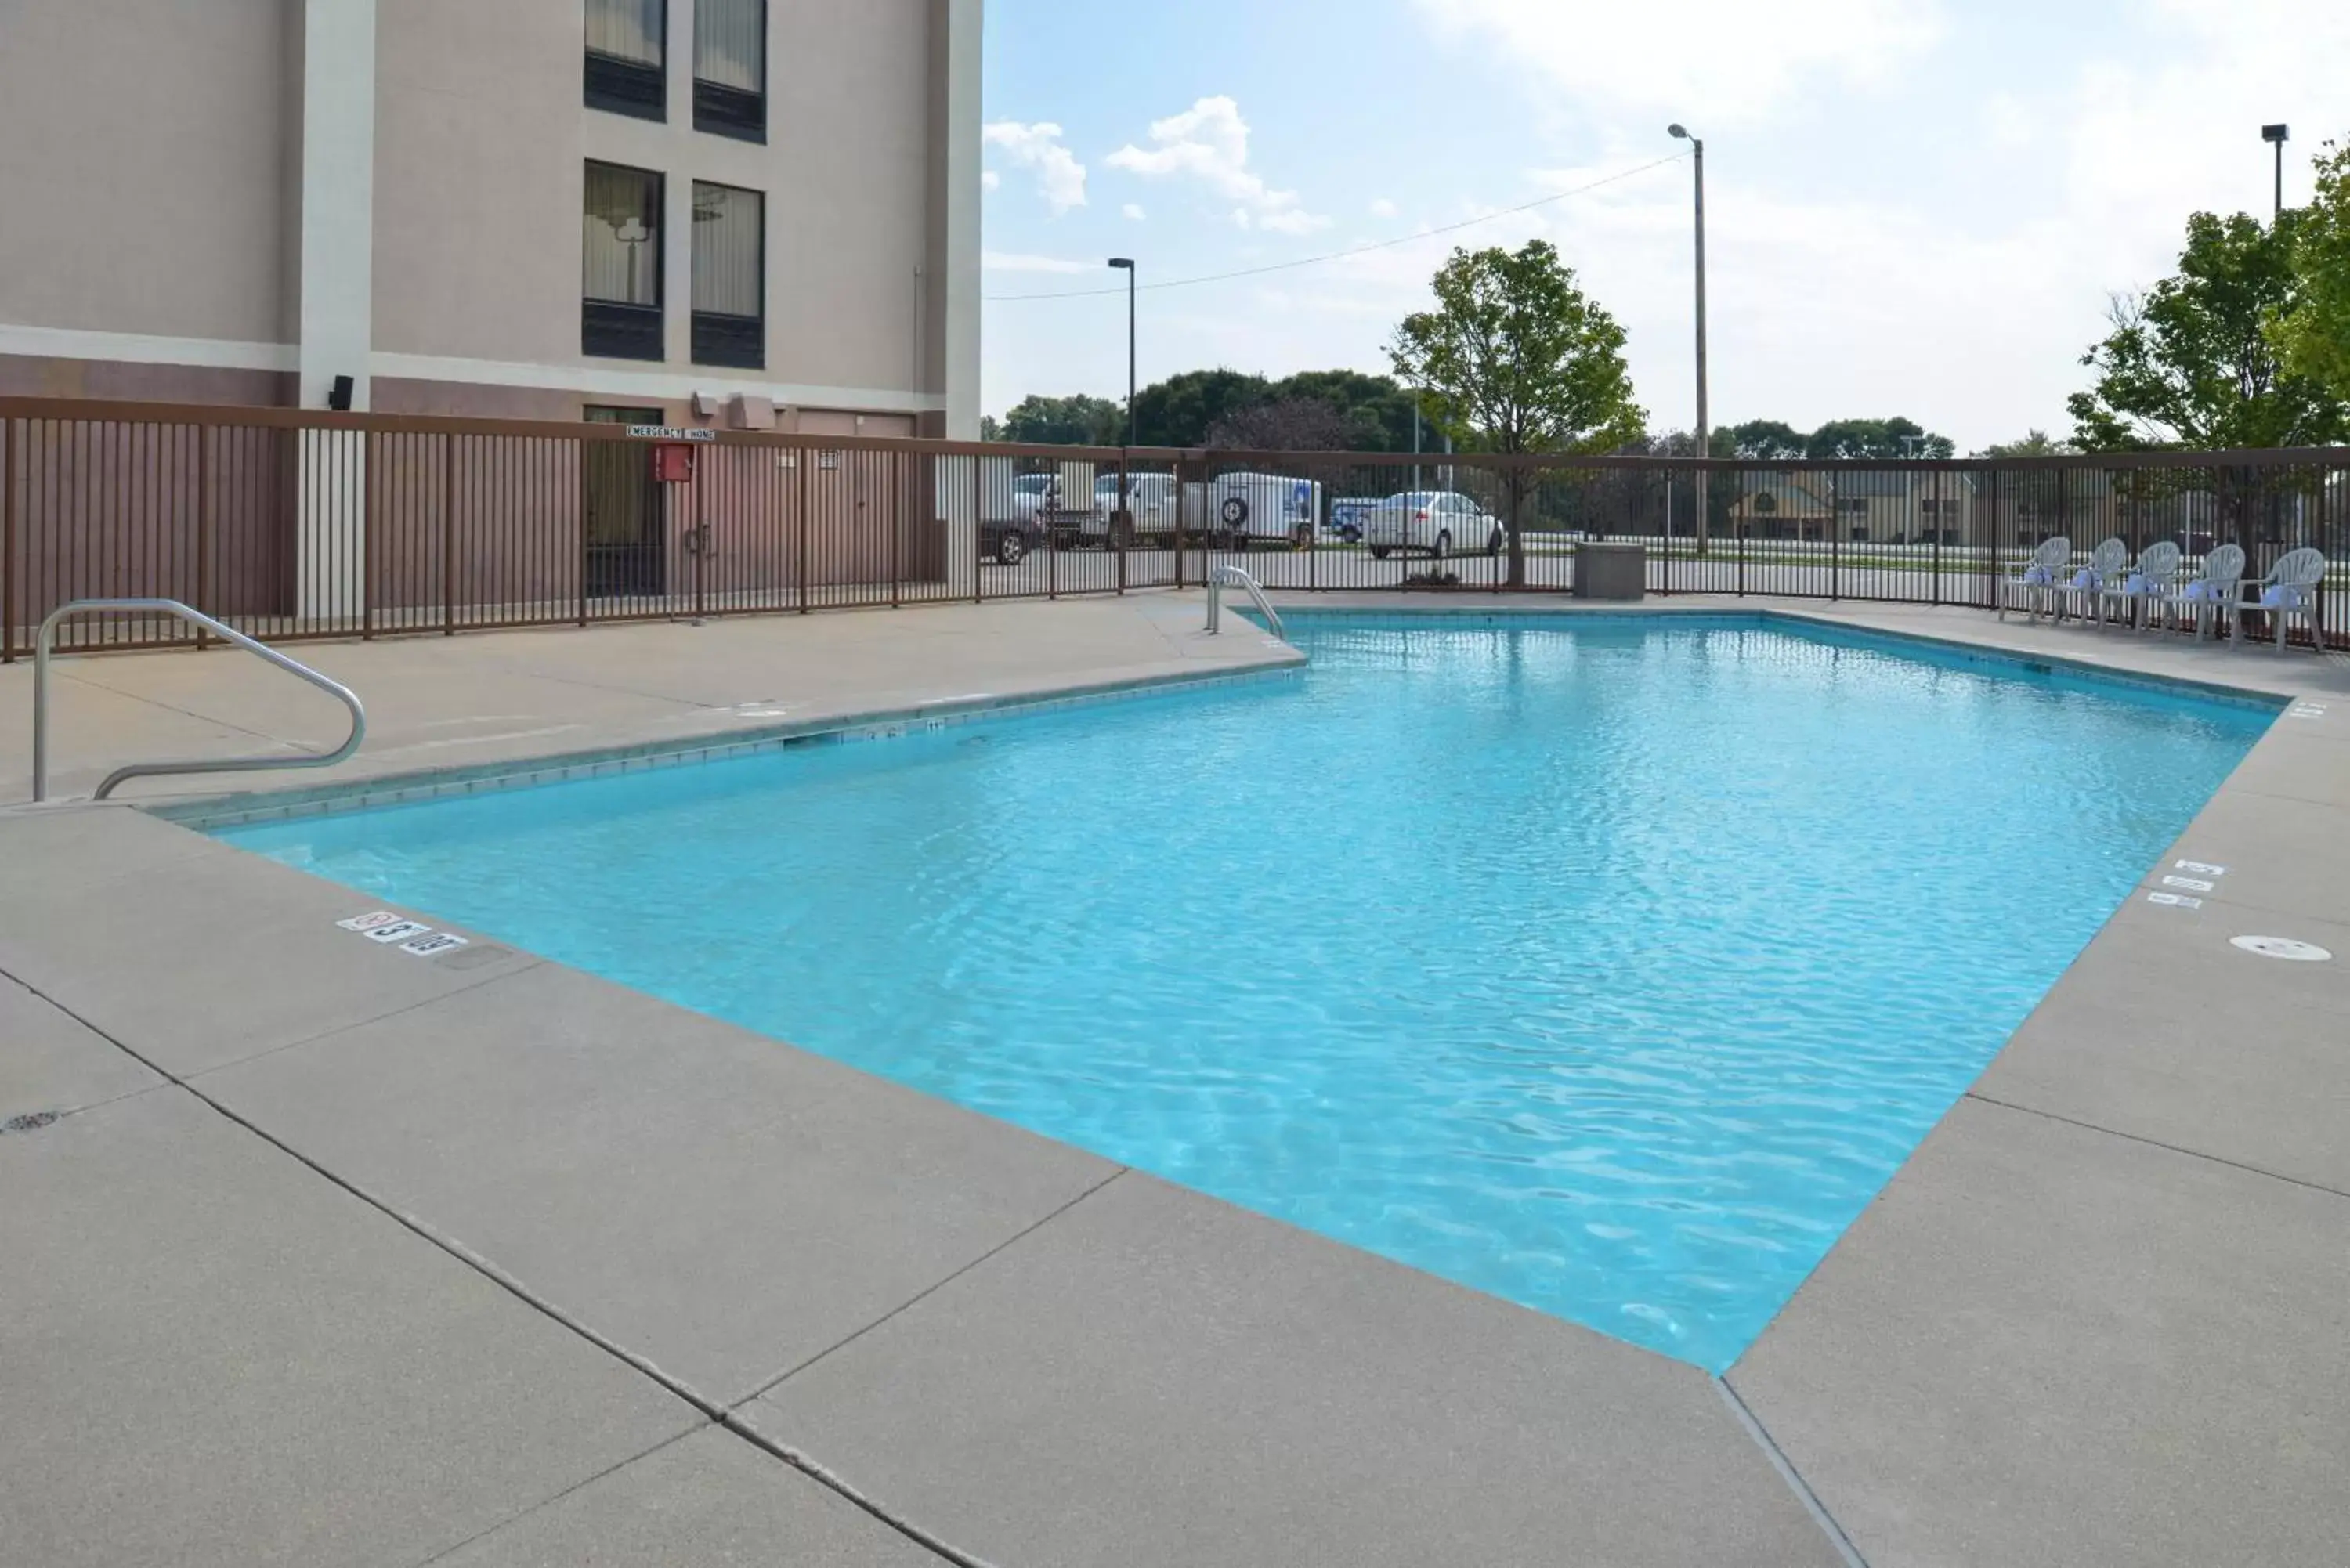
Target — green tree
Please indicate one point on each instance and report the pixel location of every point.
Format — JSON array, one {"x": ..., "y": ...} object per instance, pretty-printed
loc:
[
  {"x": 1850, "y": 440},
  {"x": 2194, "y": 362},
  {"x": 1762, "y": 441},
  {"x": 2314, "y": 338},
  {"x": 1179, "y": 410},
  {"x": 2035, "y": 444},
  {"x": 1078, "y": 420},
  {"x": 1377, "y": 412},
  {"x": 1517, "y": 359}
]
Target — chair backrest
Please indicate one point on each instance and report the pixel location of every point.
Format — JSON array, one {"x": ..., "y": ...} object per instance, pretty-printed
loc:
[
  {"x": 2053, "y": 554},
  {"x": 2300, "y": 569},
  {"x": 2224, "y": 565},
  {"x": 2159, "y": 563},
  {"x": 2111, "y": 558}
]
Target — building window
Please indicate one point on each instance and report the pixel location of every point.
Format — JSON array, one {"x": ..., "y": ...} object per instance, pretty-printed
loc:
[
  {"x": 620, "y": 316},
  {"x": 730, "y": 277},
  {"x": 730, "y": 67},
  {"x": 627, "y": 57}
]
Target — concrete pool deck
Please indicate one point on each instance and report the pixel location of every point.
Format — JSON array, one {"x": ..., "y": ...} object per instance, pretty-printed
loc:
[{"x": 347, "y": 1255}]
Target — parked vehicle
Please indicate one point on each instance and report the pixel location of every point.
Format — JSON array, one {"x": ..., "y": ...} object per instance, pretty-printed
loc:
[
  {"x": 1009, "y": 541},
  {"x": 1247, "y": 510},
  {"x": 1439, "y": 522},
  {"x": 1154, "y": 500},
  {"x": 1348, "y": 516}
]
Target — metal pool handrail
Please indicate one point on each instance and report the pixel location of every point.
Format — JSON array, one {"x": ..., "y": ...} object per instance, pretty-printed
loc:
[
  {"x": 196, "y": 618},
  {"x": 1236, "y": 577}
]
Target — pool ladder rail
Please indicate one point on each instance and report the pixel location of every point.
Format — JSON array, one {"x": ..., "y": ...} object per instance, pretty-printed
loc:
[
  {"x": 195, "y": 617},
  {"x": 1221, "y": 578}
]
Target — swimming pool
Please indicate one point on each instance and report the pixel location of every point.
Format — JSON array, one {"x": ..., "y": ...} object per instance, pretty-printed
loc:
[{"x": 1609, "y": 966}]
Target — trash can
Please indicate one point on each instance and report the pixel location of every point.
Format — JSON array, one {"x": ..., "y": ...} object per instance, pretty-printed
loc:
[{"x": 1618, "y": 573}]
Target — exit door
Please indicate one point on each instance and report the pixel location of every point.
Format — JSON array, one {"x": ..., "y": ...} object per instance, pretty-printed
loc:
[{"x": 627, "y": 512}]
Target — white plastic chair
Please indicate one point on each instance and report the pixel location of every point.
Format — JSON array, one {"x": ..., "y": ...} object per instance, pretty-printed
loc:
[
  {"x": 2210, "y": 595},
  {"x": 2290, "y": 589},
  {"x": 2083, "y": 593},
  {"x": 2137, "y": 593},
  {"x": 2037, "y": 586}
]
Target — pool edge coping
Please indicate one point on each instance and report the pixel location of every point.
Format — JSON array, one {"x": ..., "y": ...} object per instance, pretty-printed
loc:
[
  {"x": 246, "y": 808},
  {"x": 2276, "y": 696}
]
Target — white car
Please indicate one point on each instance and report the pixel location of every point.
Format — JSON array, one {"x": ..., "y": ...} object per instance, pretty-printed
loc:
[
  {"x": 1440, "y": 521},
  {"x": 1257, "y": 509}
]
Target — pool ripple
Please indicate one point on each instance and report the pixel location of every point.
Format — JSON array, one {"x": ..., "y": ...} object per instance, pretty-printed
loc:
[{"x": 1612, "y": 969}]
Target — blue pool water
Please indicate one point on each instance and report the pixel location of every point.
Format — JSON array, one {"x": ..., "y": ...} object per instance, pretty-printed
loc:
[{"x": 1610, "y": 968}]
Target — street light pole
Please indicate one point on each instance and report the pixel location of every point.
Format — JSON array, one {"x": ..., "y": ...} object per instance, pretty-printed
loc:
[
  {"x": 2277, "y": 136},
  {"x": 1704, "y": 423},
  {"x": 1126, "y": 264}
]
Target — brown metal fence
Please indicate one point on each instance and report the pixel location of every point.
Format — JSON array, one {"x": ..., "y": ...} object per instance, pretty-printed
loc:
[{"x": 293, "y": 525}]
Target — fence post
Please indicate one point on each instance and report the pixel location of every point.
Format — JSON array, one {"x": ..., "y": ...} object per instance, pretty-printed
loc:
[
  {"x": 1836, "y": 536},
  {"x": 449, "y": 535},
  {"x": 802, "y": 460},
  {"x": 8, "y": 539},
  {"x": 369, "y": 469},
  {"x": 978, "y": 530},
  {"x": 1937, "y": 513},
  {"x": 1990, "y": 587},
  {"x": 205, "y": 531},
  {"x": 1738, "y": 526}
]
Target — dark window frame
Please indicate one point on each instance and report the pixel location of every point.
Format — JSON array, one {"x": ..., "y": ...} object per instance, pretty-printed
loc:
[
  {"x": 732, "y": 111},
  {"x": 621, "y": 86},
  {"x": 622, "y": 329},
  {"x": 721, "y": 338}
]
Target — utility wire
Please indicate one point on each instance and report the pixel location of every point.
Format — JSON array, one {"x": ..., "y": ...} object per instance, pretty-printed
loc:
[{"x": 1341, "y": 255}]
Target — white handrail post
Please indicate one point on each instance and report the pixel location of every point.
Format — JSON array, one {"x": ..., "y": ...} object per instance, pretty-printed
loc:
[{"x": 193, "y": 617}]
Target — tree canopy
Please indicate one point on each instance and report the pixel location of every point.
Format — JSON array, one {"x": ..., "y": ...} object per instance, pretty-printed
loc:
[
  {"x": 1077, "y": 420},
  {"x": 1366, "y": 413},
  {"x": 1875, "y": 439},
  {"x": 2314, "y": 338},
  {"x": 1516, "y": 358},
  {"x": 2194, "y": 362},
  {"x": 1178, "y": 411},
  {"x": 2034, "y": 444},
  {"x": 1762, "y": 441}
]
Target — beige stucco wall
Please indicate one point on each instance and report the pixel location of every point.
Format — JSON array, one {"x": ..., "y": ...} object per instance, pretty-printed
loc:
[
  {"x": 482, "y": 136},
  {"x": 142, "y": 182},
  {"x": 167, "y": 209},
  {"x": 477, "y": 248}
]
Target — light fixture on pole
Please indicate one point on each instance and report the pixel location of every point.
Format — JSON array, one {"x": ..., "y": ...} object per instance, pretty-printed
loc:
[
  {"x": 1126, "y": 264},
  {"x": 2277, "y": 136},
  {"x": 1704, "y": 427}
]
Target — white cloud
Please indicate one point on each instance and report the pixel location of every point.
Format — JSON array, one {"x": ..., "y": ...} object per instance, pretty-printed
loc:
[
  {"x": 1003, "y": 261},
  {"x": 1383, "y": 208},
  {"x": 990, "y": 180},
  {"x": 1060, "y": 178},
  {"x": 1718, "y": 61},
  {"x": 1209, "y": 142},
  {"x": 1133, "y": 210}
]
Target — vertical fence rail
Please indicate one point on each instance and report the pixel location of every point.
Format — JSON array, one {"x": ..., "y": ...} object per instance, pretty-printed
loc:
[{"x": 7, "y": 540}]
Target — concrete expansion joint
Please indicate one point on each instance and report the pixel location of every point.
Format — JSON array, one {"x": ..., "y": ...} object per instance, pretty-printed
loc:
[
  {"x": 1981, "y": 1098},
  {"x": 1792, "y": 1476},
  {"x": 710, "y": 1409},
  {"x": 780, "y": 1379}
]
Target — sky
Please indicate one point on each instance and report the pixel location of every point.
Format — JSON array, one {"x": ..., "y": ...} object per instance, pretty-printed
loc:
[{"x": 1918, "y": 207}]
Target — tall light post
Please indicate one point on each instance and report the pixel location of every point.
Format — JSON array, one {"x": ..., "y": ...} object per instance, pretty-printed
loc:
[
  {"x": 2277, "y": 136},
  {"x": 1126, "y": 265},
  {"x": 1704, "y": 424}
]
